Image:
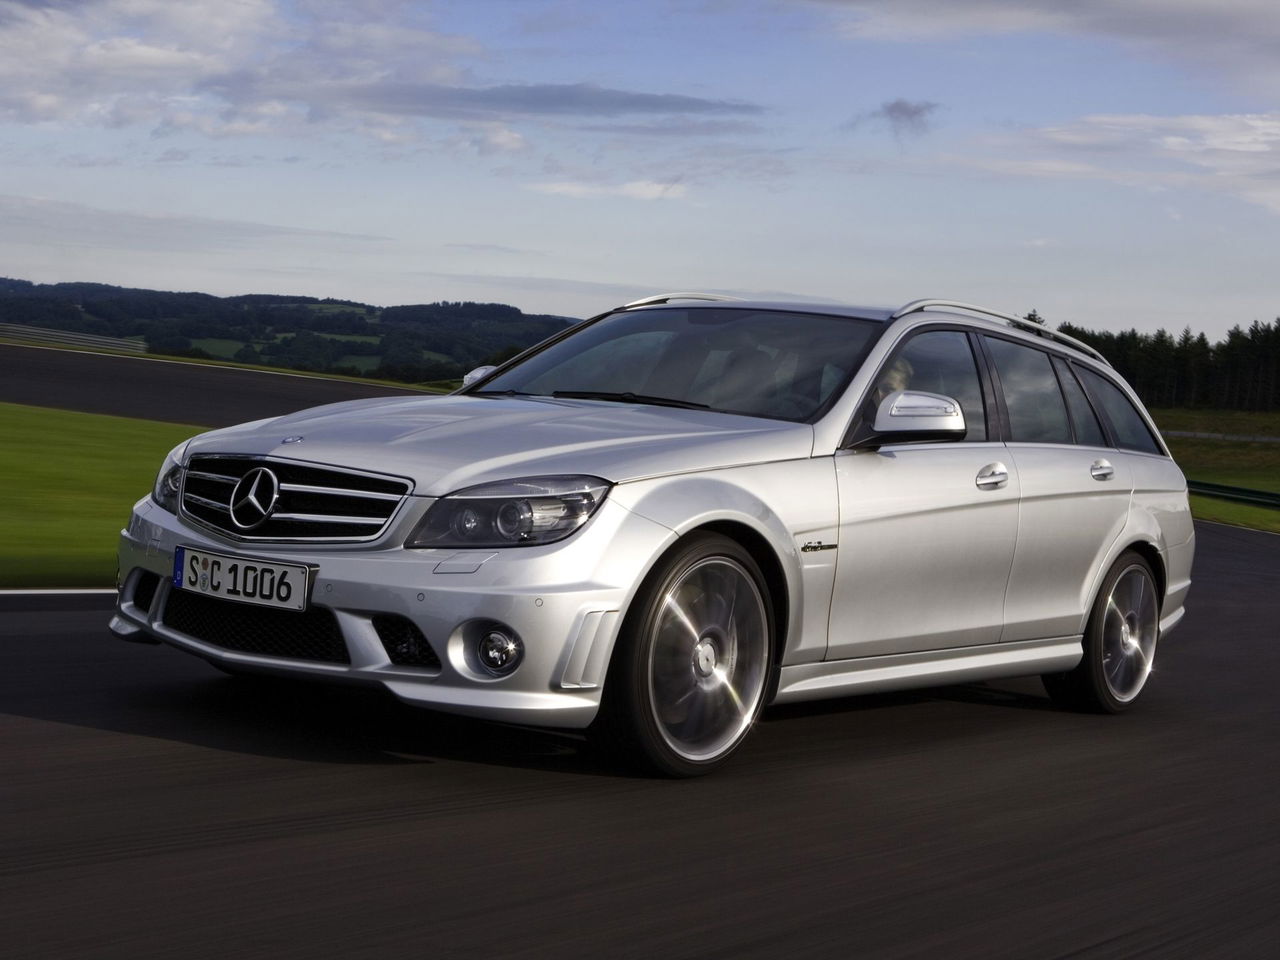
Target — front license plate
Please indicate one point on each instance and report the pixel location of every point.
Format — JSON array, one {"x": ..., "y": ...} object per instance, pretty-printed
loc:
[{"x": 242, "y": 579}]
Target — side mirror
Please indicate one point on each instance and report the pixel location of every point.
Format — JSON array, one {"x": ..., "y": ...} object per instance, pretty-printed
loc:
[
  {"x": 907, "y": 416},
  {"x": 479, "y": 373}
]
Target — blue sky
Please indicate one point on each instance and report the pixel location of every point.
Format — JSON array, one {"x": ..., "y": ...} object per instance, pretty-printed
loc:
[{"x": 1111, "y": 164}]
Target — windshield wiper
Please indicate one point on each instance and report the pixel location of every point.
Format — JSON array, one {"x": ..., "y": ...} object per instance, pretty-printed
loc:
[
  {"x": 629, "y": 397},
  {"x": 503, "y": 393}
]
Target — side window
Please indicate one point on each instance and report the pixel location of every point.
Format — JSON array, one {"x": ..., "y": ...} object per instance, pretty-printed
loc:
[
  {"x": 1088, "y": 430},
  {"x": 1131, "y": 430},
  {"x": 937, "y": 361},
  {"x": 1037, "y": 412}
]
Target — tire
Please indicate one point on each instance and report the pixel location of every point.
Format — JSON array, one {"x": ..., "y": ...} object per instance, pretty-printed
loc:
[
  {"x": 689, "y": 674},
  {"x": 1119, "y": 642}
]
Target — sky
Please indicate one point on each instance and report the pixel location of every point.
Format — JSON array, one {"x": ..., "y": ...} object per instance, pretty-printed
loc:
[{"x": 1108, "y": 163}]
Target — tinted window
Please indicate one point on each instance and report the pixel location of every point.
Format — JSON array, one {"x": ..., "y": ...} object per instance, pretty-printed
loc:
[
  {"x": 1088, "y": 430},
  {"x": 1037, "y": 412},
  {"x": 761, "y": 362},
  {"x": 937, "y": 361},
  {"x": 1131, "y": 430}
]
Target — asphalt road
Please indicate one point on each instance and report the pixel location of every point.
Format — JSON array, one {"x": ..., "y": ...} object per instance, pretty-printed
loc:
[
  {"x": 152, "y": 389},
  {"x": 150, "y": 807}
]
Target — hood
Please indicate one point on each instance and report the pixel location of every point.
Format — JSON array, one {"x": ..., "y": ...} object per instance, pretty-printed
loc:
[{"x": 446, "y": 443}]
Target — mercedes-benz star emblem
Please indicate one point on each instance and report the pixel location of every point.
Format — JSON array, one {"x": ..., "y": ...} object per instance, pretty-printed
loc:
[{"x": 254, "y": 498}]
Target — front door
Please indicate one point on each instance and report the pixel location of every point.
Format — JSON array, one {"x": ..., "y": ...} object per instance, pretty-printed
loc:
[{"x": 927, "y": 530}]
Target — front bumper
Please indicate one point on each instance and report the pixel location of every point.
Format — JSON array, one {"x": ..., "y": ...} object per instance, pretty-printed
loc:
[{"x": 564, "y": 600}]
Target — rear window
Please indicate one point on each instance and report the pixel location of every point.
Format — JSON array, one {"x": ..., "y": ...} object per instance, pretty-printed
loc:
[
  {"x": 1088, "y": 430},
  {"x": 1037, "y": 412},
  {"x": 1130, "y": 429}
]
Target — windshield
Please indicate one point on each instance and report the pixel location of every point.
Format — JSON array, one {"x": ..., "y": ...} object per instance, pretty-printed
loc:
[{"x": 764, "y": 363}]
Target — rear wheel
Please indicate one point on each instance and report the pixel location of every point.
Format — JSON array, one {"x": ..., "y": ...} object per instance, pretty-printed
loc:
[
  {"x": 1119, "y": 642},
  {"x": 688, "y": 678}
]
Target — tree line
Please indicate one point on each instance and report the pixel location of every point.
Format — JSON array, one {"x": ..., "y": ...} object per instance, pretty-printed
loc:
[
  {"x": 1239, "y": 372},
  {"x": 438, "y": 341}
]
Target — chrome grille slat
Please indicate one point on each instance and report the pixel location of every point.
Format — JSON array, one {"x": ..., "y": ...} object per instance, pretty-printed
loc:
[
  {"x": 337, "y": 492},
  {"x": 315, "y": 502},
  {"x": 216, "y": 477},
  {"x": 322, "y": 518},
  {"x": 211, "y": 504}
]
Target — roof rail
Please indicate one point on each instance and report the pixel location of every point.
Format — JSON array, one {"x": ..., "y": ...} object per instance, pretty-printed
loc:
[
  {"x": 664, "y": 297},
  {"x": 1019, "y": 322}
]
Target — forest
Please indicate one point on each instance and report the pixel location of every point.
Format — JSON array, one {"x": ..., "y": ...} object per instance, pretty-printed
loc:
[
  {"x": 440, "y": 341},
  {"x": 1239, "y": 372}
]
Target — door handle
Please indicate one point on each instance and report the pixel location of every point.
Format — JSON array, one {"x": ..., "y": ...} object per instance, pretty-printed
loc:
[
  {"x": 1102, "y": 470},
  {"x": 992, "y": 476}
]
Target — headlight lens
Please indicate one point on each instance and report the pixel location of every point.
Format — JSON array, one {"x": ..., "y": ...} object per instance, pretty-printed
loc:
[
  {"x": 513, "y": 513},
  {"x": 169, "y": 479}
]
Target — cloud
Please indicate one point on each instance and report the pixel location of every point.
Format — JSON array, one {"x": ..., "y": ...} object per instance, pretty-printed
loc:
[
  {"x": 442, "y": 101},
  {"x": 492, "y": 248},
  {"x": 1237, "y": 155},
  {"x": 41, "y": 222},
  {"x": 263, "y": 66},
  {"x": 1235, "y": 38},
  {"x": 680, "y": 126},
  {"x": 632, "y": 190},
  {"x": 904, "y": 117}
]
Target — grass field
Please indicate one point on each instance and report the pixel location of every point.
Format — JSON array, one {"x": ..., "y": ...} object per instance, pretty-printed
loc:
[
  {"x": 1252, "y": 465},
  {"x": 1240, "y": 422},
  {"x": 1236, "y": 514},
  {"x": 67, "y": 500},
  {"x": 70, "y": 481},
  {"x": 218, "y": 346}
]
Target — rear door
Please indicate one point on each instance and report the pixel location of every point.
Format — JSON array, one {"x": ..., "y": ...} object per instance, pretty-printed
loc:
[{"x": 1075, "y": 489}]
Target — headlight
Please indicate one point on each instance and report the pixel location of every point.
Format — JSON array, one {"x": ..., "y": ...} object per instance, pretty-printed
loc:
[
  {"x": 169, "y": 479},
  {"x": 513, "y": 513}
]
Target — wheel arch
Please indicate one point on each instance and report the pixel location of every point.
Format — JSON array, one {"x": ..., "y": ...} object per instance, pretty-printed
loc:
[
  {"x": 1146, "y": 549},
  {"x": 770, "y": 565},
  {"x": 743, "y": 505}
]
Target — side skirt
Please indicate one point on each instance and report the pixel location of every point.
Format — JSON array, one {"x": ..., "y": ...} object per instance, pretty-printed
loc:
[{"x": 927, "y": 668}]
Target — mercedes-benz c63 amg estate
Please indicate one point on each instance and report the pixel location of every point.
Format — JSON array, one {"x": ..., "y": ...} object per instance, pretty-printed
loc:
[{"x": 670, "y": 515}]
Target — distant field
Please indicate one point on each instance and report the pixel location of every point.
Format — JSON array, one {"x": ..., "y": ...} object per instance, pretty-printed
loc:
[
  {"x": 1219, "y": 421},
  {"x": 354, "y": 337},
  {"x": 1236, "y": 514},
  {"x": 218, "y": 347},
  {"x": 1253, "y": 465},
  {"x": 70, "y": 480}
]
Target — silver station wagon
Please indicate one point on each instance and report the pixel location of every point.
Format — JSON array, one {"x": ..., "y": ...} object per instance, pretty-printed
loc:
[{"x": 675, "y": 513}]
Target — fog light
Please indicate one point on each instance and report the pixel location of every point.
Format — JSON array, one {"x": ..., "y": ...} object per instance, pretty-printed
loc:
[{"x": 499, "y": 652}]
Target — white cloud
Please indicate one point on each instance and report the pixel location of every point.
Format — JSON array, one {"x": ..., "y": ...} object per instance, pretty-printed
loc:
[
  {"x": 632, "y": 190},
  {"x": 1236, "y": 155},
  {"x": 267, "y": 66},
  {"x": 1236, "y": 38},
  {"x": 42, "y": 222}
]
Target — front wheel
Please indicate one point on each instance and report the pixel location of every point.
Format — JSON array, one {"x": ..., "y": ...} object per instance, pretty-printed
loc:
[
  {"x": 689, "y": 675},
  {"x": 1119, "y": 642}
]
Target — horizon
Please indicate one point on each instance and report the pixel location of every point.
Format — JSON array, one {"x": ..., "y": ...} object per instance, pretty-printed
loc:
[{"x": 1109, "y": 165}]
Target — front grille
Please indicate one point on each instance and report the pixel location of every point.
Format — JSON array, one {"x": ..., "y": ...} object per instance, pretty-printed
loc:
[
  {"x": 312, "y": 634},
  {"x": 144, "y": 590},
  {"x": 404, "y": 642},
  {"x": 311, "y": 502}
]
